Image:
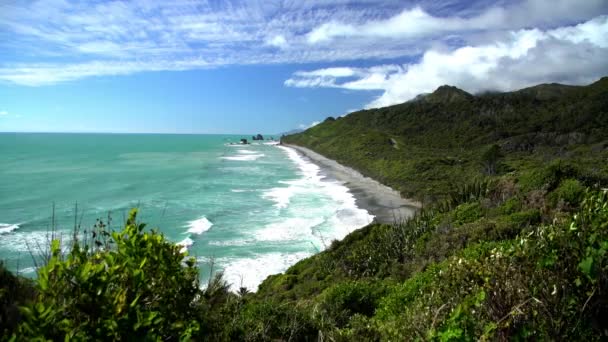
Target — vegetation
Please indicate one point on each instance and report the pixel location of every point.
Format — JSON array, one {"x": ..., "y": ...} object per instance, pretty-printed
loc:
[
  {"x": 425, "y": 147},
  {"x": 512, "y": 243}
]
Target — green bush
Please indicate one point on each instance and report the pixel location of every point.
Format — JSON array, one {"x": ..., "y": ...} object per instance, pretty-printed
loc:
[
  {"x": 141, "y": 287},
  {"x": 342, "y": 301},
  {"x": 524, "y": 218},
  {"x": 467, "y": 212},
  {"x": 511, "y": 205},
  {"x": 270, "y": 320},
  {"x": 570, "y": 191}
]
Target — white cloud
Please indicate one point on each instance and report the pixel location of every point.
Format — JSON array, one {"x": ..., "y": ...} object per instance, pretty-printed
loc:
[
  {"x": 3, "y": 112},
  {"x": 416, "y": 22},
  {"x": 44, "y": 74},
  {"x": 573, "y": 54},
  {"x": 407, "y": 24},
  {"x": 45, "y": 42},
  {"x": 314, "y": 123},
  {"x": 277, "y": 41},
  {"x": 321, "y": 77}
]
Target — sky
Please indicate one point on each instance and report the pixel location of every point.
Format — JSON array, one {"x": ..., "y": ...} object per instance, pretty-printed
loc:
[{"x": 270, "y": 66}]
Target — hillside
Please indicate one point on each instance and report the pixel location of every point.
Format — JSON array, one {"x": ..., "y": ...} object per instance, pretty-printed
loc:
[
  {"x": 511, "y": 244},
  {"x": 425, "y": 148},
  {"x": 498, "y": 252}
]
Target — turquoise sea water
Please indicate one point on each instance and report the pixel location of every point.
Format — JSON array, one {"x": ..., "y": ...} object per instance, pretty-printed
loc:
[{"x": 253, "y": 209}]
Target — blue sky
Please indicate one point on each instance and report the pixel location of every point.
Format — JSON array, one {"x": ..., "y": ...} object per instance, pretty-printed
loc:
[{"x": 190, "y": 66}]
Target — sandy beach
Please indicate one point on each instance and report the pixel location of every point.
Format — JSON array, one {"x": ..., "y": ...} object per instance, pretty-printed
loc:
[{"x": 385, "y": 203}]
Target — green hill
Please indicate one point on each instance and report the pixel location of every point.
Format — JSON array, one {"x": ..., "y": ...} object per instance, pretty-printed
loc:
[{"x": 425, "y": 148}]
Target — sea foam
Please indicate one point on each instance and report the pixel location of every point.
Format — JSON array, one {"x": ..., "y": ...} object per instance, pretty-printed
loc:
[
  {"x": 6, "y": 228},
  {"x": 185, "y": 243},
  {"x": 314, "y": 211},
  {"x": 346, "y": 215},
  {"x": 196, "y": 227},
  {"x": 199, "y": 226},
  {"x": 291, "y": 229},
  {"x": 245, "y": 157},
  {"x": 252, "y": 270},
  {"x": 34, "y": 241},
  {"x": 246, "y": 152}
]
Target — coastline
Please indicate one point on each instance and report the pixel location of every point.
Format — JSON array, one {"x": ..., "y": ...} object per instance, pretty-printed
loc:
[{"x": 385, "y": 203}]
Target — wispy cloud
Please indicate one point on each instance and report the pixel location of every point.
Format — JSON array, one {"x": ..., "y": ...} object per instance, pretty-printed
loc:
[
  {"x": 312, "y": 124},
  {"x": 574, "y": 54},
  {"x": 416, "y": 22},
  {"x": 50, "y": 41},
  {"x": 3, "y": 113}
]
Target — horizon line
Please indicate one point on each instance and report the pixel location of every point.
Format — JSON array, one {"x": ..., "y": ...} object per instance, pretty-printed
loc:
[{"x": 140, "y": 133}]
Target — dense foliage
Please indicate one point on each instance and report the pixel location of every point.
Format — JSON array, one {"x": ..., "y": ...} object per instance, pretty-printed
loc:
[
  {"x": 512, "y": 242},
  {"x": 126, "y": 285}
]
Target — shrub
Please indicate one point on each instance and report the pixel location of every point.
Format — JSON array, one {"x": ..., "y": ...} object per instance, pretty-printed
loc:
[
  {"x": 524, "y": 218},
  {"x": 270, "y": 321},
  {"x": 136, "y": 289},
  {"x": 511, "y": 205},
  {"x": 570, "y": 191},
  {"x": 467, "y": 212},
  {"x": 342, "y": 301}
]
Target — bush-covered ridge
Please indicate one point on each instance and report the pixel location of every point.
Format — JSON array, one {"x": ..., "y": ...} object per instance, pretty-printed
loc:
[
  {"x": 511, "y": 243},
  {"x": 425, "y": 147}
]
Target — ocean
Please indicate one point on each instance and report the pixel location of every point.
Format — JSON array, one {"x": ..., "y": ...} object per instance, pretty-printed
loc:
[{"x": 250, "y": 210}]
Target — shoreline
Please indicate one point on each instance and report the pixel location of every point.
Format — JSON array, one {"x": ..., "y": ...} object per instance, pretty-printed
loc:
[{"x": 385, "y": 203}]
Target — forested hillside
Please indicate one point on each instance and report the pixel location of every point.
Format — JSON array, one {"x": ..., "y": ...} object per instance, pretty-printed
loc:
[{"x": 429, "y": 146}]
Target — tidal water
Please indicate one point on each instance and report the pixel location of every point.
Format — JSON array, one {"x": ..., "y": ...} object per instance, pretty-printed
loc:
[{"x": 253, "y": 210}]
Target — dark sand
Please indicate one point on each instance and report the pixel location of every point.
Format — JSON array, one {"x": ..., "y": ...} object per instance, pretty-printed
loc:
[{"x": 383, "y": 202}]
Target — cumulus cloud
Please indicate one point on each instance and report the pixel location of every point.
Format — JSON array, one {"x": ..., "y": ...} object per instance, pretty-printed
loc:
[{"x": 574, "y": 54}]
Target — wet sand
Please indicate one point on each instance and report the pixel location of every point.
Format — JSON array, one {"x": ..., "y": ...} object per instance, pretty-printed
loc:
[{"x": 385, "y": 203}]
